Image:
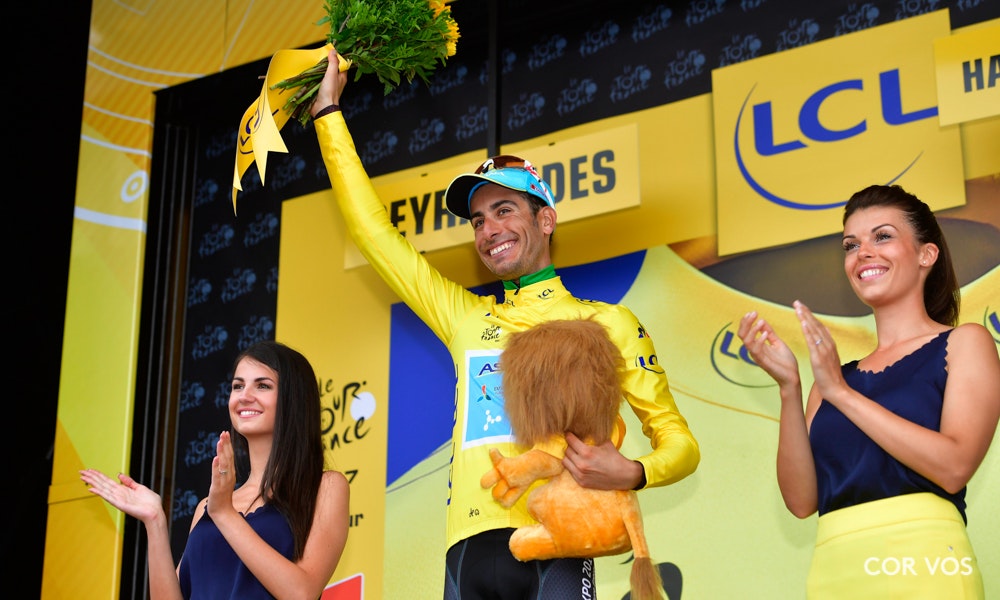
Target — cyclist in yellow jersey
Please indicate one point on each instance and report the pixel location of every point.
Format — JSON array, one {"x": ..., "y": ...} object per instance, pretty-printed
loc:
[{"x": 512, "y": 213}]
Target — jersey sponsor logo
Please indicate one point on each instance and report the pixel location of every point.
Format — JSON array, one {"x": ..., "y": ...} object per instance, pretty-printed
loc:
[
  {"x": 490, "y": 334},
  {"x": 649, "y": 363},
  {"x": 485, "y": 421}
]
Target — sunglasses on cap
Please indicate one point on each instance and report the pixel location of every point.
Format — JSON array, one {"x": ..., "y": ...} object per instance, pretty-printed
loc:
[
  {"x": 505, "y": 170},
  {"x": 506, "y": 161}
]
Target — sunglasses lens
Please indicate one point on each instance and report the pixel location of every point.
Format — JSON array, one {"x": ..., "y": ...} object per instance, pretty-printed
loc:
[{"x": 503, "y": 161}]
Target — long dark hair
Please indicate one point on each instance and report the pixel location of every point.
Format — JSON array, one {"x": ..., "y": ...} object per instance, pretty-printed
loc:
[
  {"x": 942, "y": 296},
  {"x": 294, "y": 468}
]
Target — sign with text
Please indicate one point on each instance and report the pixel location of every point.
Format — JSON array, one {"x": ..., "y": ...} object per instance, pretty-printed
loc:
[
  {"x": 797, "y": 132},
  {"x": 589, "y": 175},
  {"x": 968, "y": 74}
]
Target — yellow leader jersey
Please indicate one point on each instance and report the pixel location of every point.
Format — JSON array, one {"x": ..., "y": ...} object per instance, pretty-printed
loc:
[{"x": 474, "y": 329}]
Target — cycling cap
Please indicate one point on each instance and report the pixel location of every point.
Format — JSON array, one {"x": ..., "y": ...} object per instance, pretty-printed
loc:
[{"x": 508, "y": 171}]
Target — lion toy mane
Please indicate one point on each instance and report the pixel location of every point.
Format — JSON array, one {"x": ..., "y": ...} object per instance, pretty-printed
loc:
[{"x": 559, "y": 376}]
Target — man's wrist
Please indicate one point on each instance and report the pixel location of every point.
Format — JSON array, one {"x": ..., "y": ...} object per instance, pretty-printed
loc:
[
  {"x": 326, "y": 110},
  {"x": 642, "y": 476}
]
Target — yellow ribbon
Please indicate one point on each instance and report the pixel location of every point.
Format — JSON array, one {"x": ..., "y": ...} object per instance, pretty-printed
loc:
[{"x": 259, "y": 129}]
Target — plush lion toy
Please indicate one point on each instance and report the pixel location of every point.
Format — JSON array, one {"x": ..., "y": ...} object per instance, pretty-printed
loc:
[{"x": 559, "y": 376}]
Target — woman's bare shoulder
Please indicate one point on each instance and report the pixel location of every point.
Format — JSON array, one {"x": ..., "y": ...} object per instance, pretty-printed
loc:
[
  {"x": 972, "y": 335},
  {"x": 334, "y": 481}
]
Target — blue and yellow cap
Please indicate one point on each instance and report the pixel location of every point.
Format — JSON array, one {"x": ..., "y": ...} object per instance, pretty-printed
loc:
[{"x": 508, "y": 171}]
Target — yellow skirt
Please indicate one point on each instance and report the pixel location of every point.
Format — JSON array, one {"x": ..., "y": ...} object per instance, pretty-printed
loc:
[{"x": 906, "y": 547}]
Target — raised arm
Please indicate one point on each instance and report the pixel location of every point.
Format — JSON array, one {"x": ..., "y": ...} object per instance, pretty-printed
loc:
[{"x": 430, "y": 295}]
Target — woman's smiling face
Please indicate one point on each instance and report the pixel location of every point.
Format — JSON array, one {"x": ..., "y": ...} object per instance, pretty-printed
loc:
[
  {"x": 254, "y": 398},
  {"x": 882, "y": 258}
]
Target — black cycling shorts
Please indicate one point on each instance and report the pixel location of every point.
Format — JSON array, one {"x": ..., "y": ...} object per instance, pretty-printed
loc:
[{"x": 482, "y": 568}]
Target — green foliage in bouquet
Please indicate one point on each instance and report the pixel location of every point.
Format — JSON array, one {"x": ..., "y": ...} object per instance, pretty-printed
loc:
[{"x": 391, "y": 39}]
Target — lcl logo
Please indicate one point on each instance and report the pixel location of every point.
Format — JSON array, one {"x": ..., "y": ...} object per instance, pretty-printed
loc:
[
  {"x": 732, "y": 362},
  {"x": 812, "y": 128}
]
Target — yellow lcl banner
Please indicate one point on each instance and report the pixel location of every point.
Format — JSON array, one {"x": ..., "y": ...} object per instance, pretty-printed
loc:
[
  {"x": 263, "y": 120},
  {"x": 798, "y": 132}
]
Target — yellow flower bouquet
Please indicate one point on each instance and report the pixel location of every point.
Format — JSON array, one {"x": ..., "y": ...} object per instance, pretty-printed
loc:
[{"x": 392, "y": 39}]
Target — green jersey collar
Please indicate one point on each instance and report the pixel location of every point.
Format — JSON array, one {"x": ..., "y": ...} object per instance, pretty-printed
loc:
[{"x": 547, "y": 273}]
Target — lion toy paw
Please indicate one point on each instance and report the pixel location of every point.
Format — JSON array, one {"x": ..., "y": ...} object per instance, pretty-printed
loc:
[{"x": 511, "y": 477}]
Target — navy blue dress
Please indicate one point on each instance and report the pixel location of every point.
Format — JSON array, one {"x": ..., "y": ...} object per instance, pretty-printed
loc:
[
  {"x": 850, "y": 467},
  {"x": 209, "y": 568}
]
